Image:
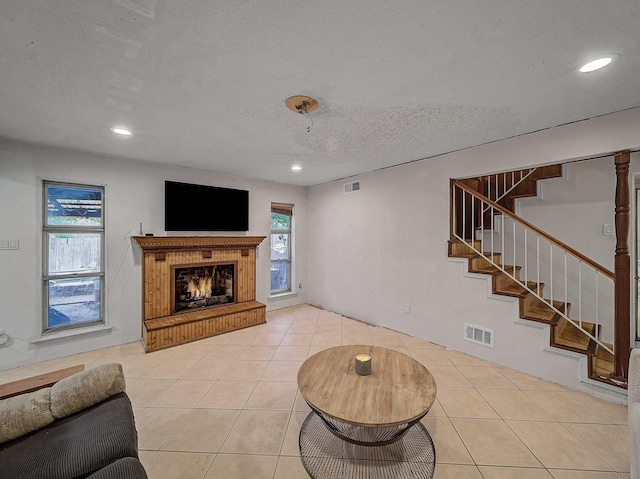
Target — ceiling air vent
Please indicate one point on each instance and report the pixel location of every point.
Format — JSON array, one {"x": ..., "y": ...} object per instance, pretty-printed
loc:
[
  {"x": 352, "y": 187},
  {"x": 479, "y": 335}
]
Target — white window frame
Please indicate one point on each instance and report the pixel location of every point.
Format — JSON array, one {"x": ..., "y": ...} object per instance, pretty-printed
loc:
[
  {"x": 47, "y": 277},
  {"x": 290, "y": 260}
]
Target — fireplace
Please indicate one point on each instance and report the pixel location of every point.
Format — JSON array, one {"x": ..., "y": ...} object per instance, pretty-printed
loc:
[
  {"x": 202, "y": 286},
  {"x": 194, "y": 287}
]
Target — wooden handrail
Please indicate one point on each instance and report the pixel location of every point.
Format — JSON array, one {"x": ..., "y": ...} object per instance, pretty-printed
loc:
[{"x": 538, "y": 231}]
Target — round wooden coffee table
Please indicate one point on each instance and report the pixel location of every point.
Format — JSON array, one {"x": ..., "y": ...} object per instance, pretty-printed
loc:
[{"x": 352, "y": 413}]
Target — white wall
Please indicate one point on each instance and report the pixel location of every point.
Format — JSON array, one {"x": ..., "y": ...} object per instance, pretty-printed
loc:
[
  {"x": 374, "y": 251},
  {"x": 134, "y": 193},
  {"x": 585, "y": 196}
]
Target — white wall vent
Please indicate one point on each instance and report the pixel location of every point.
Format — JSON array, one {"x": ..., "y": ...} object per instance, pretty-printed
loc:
[
  {"x": 352, "y": 187},
  {"x": 477, "y": 334}
]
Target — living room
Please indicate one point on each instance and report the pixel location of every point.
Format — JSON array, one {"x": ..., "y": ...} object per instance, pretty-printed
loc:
[
  {"x": 342, "y": 279},
  {"x": 364, "y": 255},
  {"x": 367, "y": 291}
]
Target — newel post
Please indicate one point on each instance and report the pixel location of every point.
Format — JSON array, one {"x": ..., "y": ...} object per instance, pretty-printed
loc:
[{"x": 622, "y": 267}]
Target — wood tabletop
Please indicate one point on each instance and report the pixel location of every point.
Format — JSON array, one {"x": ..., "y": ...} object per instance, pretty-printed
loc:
[{"x": 398, "y": 390}]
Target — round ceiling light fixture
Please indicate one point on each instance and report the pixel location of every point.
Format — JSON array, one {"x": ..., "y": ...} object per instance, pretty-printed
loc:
[
  {"x": 121, "y": 131},
  {"x": 301, "y": 104},
  {"x": 598, "y": 63}
]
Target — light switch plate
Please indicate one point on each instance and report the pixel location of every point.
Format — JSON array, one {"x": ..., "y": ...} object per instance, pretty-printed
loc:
[{"x": 12, "y": 243}]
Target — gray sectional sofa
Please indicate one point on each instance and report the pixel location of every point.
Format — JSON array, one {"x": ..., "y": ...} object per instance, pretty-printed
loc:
[{"x": 81, "y": 427}]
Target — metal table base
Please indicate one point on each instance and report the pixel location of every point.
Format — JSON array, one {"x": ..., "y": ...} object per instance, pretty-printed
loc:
[{"x": 325, "y": 455}]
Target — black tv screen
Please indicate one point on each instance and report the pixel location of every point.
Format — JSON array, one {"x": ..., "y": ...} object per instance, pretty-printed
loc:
[{"x": 189, "y": 207}]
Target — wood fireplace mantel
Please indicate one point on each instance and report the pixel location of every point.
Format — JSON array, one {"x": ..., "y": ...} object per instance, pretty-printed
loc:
[
  {"x": 163, "y": 327},
  {"x": 173, "y": 243}
]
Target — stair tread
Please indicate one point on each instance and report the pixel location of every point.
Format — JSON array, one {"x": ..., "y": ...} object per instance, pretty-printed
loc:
[
  {"x": 570, "y": 331},
  {"x": 540, "y": 310},
  {"x": 573, "y": 344},
  {"x": 516, "y": 289},
  {"x": 464, "y": 255},
  {"x": 490, "y": 269},
  {"x": 608, "y": 360},
  {"x": 568, "y": 335},
  {"x": 605, "y": 356},
  {"x": 603, "y": 369},
  {"x": 473, "y": 254},
  {"x": 459, "y": 249},
  {"x": 513, "y": 289},
  {"x": 602, "y": 364},
  {"x": 546, "y": 315}
]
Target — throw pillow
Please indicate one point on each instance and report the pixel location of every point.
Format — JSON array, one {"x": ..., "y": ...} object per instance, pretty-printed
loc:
[
  {"x": 85, "y": 389},
  {"x": 22, "y": 414}
]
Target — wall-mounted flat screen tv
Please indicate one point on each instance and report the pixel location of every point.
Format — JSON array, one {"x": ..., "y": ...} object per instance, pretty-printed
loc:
[{"x": 189, "y": 207}]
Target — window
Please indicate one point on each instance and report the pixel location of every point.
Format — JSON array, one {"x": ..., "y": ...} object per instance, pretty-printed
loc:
[
  {"x": 281, "y": 247},
  {"x": 73, "y": 244}
]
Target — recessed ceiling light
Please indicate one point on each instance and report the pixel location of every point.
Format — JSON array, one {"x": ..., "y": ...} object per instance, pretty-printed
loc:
[
  {"x": 597, "y": 64},
  {"x": 121, "y": 131},
  {"x": 296, "y": 168}
]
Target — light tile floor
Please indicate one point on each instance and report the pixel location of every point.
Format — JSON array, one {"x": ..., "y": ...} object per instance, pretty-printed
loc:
[{"x": 228, "y": 406}]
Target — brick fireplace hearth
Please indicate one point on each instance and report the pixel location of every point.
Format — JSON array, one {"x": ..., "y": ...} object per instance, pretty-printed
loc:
[{"x": 162, "y": 326}]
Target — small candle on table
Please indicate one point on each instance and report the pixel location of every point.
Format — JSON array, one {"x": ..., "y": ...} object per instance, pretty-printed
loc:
[{"x": 363, "y": 364}]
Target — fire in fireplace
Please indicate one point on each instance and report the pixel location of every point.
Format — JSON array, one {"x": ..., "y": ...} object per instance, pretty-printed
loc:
[{"x": 201, "y": 286}]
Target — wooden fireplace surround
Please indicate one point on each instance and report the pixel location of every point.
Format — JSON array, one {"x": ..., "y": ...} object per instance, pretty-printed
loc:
[{"x": 161, "y": 327}]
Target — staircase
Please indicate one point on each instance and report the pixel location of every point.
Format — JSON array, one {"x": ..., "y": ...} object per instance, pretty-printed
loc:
[{"x": 553, "y": 283}]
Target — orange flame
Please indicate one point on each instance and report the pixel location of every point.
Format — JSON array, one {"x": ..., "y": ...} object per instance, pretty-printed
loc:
[{"x": 200, "y": 287}]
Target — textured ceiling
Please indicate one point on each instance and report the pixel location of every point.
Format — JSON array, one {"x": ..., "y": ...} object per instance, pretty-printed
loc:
[{"x": 202, "y": 83}]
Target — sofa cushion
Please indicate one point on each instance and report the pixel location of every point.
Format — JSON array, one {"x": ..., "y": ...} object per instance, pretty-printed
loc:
[
  {"x": 22, "y": 414},
  {"x": 76, "y": 446},
  {"x": 85, "y": 389},
  {"x": 125, "y": 468}
]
